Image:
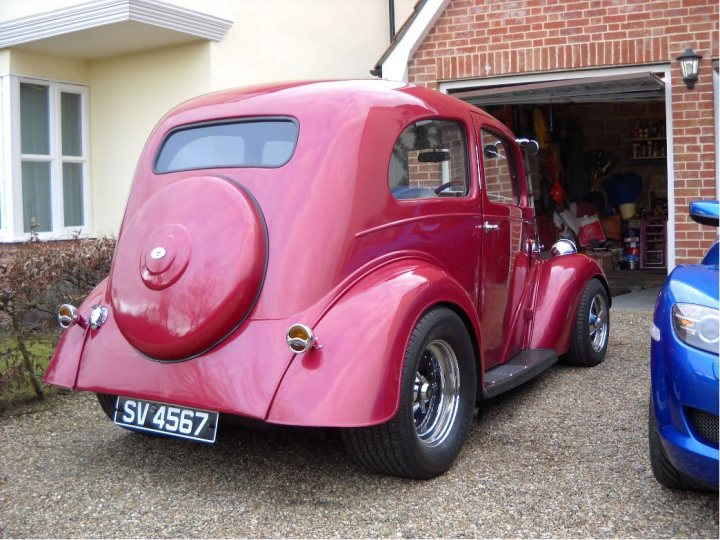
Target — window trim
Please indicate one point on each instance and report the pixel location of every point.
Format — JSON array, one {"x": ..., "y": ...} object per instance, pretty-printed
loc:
[
  {"x": 7, "y": 121},
  {"x": 12, "y": 213},
  {"x": 211, "y": 123},
  {"x": 511, "y": 159}
]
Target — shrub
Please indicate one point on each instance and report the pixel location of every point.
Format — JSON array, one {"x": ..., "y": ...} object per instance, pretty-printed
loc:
[{"x": 35, "y": 278}]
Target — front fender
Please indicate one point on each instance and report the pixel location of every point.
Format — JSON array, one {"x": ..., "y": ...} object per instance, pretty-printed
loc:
[
  {"x": 561, "y": 281},
  {"x": 63, "y": 367},
  {"x": 354, "y": 379}
]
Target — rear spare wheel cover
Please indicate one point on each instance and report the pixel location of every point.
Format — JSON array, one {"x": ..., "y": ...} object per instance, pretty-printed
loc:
[{"x": 189, "y": 266}]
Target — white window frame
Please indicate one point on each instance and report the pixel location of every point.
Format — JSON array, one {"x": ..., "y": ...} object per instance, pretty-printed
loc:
[{"x": 12, "y": 224}]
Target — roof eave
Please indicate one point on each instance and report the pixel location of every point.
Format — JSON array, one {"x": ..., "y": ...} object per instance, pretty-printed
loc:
[
  {"x": 392, "y": 65},
  {"x": 97, "y": 13}
]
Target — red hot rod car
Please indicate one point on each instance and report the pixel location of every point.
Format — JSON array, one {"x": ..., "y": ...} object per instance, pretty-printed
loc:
[{"x": 355, "y": 254}]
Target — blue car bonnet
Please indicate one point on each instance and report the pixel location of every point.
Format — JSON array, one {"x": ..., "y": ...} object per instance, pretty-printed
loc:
[{"x": 697, "y": 284}]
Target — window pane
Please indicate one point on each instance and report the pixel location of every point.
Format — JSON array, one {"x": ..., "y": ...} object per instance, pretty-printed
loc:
[
  {"x": 36, "y": 195},
  {"x": 71, "y": 112},
  {"x": 73, "y": 194},
  {"x": 266, "y": 143},
  {"x": 429, "y": 160},
  {"x": 500, "y": 181},
  {"x": 34, "y": 119}
]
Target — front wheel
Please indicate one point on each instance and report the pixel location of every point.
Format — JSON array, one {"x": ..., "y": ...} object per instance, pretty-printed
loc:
[
  {"x": 437, "y": 398},
  {"x": 591, "y": 329},
  {"x": 662, "y": 469}
]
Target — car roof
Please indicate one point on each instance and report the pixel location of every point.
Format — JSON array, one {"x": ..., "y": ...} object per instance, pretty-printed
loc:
[{"x": 284, "y": 98}]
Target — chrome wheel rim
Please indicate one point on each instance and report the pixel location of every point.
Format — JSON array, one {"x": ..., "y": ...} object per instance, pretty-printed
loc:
[
  {"x": 598, "y": 323},
  {"x": 436, "y": 393}
]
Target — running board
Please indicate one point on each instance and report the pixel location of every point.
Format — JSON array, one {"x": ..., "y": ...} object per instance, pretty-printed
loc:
[{"x": 517, "y": 371}]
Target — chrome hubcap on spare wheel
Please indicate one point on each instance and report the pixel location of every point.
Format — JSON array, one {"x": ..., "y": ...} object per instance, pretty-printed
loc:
[
  {"x": 436, "y": 393},
  {"x": 598, "y": 323}
]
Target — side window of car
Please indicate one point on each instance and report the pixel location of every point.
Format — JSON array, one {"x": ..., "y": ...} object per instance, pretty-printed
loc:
[
  {"x": 429, "y": 160},
  {"x": 501, "y": 182}
]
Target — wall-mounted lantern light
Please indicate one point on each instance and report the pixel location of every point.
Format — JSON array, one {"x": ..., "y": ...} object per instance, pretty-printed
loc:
[{"x": 689, "y": 65}]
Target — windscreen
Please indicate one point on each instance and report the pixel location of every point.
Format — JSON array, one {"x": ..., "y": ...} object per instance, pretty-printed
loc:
[{"x": 266, "y": 143}]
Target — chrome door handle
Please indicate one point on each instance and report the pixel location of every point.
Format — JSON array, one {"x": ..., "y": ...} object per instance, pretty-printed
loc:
[{"x": 490, "y": 226}]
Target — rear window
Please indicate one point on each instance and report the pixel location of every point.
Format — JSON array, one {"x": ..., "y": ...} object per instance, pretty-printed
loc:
[{"x": 249, "y": 143}]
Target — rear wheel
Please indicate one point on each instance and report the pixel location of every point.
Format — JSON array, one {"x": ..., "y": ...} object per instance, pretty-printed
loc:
[
  {"x": 107, "y": 404},
  {"x": 437, "y": 397},
  {"x": 591, "y": 329}
]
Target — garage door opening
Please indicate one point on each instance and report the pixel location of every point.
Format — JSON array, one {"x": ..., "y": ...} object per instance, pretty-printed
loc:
[{"x": 601, "y": 176}]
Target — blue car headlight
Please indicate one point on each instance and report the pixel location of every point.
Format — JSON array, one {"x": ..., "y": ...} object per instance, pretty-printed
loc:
[{"x": 698, "y": 326}]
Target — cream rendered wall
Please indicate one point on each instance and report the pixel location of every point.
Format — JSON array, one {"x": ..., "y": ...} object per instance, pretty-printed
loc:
[
  {"x": 57, "y": 68},
  {"x": 276, "y": 40},
  {"x": 280, "y": 40},
  {"x": 128, "y": 96},
  {"x": 4, "y": 62}
]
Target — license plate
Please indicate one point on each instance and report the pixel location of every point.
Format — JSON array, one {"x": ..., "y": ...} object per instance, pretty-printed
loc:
[{"x": 167, "y": 419}]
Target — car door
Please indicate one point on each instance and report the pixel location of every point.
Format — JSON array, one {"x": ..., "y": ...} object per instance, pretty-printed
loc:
[{"x": 507, "y": 250}]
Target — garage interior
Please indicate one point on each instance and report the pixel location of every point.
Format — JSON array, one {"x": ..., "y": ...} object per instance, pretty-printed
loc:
[{"x": 601, "y": 176}]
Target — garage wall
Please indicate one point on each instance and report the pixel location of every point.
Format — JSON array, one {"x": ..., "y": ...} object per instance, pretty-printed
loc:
[{"x": 476, "y": 39}]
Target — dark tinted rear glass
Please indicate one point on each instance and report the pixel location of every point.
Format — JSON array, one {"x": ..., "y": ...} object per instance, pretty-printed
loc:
[{"x": 253, "y": 143}]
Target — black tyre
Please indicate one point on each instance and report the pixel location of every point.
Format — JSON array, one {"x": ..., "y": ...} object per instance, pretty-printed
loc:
[
  {"x": 662, "y": 469},
  {"x": 437, "y": 400},
  {"x": 591, "y": 329},
  {"x": 107, "y": 403}
]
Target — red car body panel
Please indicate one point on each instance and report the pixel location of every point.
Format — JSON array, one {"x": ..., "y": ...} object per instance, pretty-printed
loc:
[
  {"x": 63, "y": 367},
  {"x": 321, "y": 241},
  {"x": 557, "y": 299},
  {"x": 356, "y": 373}
]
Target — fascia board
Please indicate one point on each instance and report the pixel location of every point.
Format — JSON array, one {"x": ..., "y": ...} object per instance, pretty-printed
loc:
[{"x": 395, "y": 65}]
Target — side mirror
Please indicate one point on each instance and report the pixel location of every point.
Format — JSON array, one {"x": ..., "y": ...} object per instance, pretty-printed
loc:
[
  {"x": 490, "y": 151},
  {"x": 529, "y": 145},
  {"x": 563, "y": 247},
  {"x": 705, "y": 212}
]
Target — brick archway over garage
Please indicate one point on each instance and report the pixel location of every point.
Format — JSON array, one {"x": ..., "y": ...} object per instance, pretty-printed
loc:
[{"x": 475, "y": 39}]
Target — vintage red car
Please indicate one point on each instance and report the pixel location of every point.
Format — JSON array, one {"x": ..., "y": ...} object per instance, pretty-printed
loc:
[{"x": 351, "y": 254}]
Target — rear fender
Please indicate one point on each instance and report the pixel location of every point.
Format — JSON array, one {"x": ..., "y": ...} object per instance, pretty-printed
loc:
[
  {"x": 65, "y": 362},
  {"x": 354, "y": 379},
  {"x": 561, "y": 281}
]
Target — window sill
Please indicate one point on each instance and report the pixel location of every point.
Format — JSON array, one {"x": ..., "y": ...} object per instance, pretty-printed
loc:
[{"x": 46, "y": 237}]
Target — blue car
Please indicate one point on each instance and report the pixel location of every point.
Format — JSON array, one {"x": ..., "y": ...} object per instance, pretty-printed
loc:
[{"x": 683, "y": 419}]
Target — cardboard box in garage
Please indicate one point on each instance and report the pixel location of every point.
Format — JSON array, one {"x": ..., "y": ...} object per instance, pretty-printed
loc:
[{"x": 604, "y": 259}]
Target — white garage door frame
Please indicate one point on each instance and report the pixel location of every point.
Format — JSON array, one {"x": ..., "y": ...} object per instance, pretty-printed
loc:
[
  {"x": 663, "y": 69},
  {"x": 716, "y": 101}
]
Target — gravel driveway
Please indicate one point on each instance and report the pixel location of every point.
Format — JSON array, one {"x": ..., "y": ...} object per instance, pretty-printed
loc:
[{"x": 563, "y": 456}]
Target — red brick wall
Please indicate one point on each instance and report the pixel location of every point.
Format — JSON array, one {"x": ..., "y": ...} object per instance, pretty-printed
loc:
[{"x": 488, "y": 38}]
